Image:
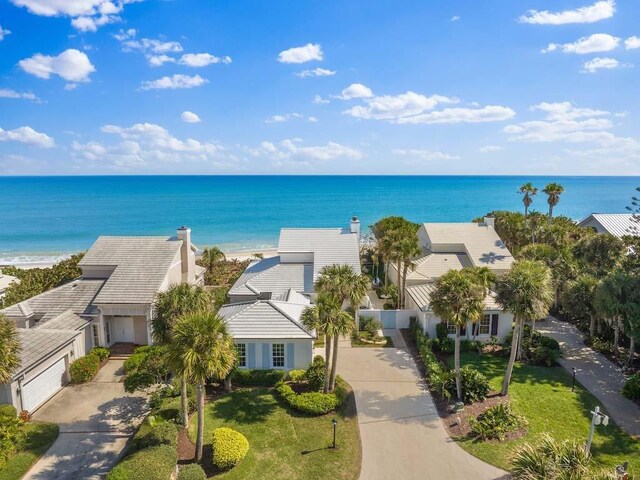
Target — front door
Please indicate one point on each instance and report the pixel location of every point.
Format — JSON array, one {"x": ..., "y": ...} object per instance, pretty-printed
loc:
[{"x": 123, "y": 330}]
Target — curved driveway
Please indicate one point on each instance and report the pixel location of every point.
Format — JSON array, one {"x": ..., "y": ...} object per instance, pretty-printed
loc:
[{"x": 402, "y": 435}]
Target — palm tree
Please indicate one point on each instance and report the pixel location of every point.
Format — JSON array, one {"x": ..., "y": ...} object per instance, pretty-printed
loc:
[
  {"x": 168, "y": 307},
  {"x": 9, "y": 349},
  {"x": 527, "y": 292},
  {"x": 578, "y": 298},
  {"x": 458, "y": 298},
  {"x": 553, "y": 191},
  {"x": 341, "y": 323},
  {"x": 632, "y": 315},
  {"x": 610, "y": 301},
  {"x": 202, "y": 349},
  {"x": 210, "y": 257},
  {"x": 528, "y": 191},
  {"x": 316, "y": 318},
  {"x": 343, "y": 284},
  {"x": 408, "y": 250}
]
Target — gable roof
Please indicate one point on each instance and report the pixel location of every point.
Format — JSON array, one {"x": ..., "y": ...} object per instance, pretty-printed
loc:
[
  {"x": 329, "y": 246},
  {"x": 76, "y": 296},
  {"x": 265, "y": 319},
  {"x": 434, "y": 265},
  {"x": 65, "y": 321},
  {"x": 481, "y": 242},
  {"x": 38, "y": 343},
  {"x": 141, "y": 265},
  {"x": 618, "y": 224},
  {"x": 269, "y": 275},
  {"x": 421, "y": 296}
]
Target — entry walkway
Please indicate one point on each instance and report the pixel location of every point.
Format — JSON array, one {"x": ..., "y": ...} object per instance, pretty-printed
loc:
[
  {"x": 402, "y": 435},
  {"x": 595, "y": 372}
]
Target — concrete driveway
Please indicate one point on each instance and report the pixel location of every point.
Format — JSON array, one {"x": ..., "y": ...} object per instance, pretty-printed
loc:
[
  {"x": 402, "y": 435},
  {"x": 96, "y": 419}
]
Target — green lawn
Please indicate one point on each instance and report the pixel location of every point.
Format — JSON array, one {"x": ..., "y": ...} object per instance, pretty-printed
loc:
[
  {"x": 284, "y": 444},
  {"x": 40, "y": 436},
  {"x": 543, "y": 395}
]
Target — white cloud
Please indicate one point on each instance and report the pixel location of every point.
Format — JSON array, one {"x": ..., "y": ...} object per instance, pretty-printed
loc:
[
  {"x": 356, "y": 90},
  {"x": 290, "y": 150},
  {"x": 27, "y": 135},
  {"x": 455, "y": 18},
  {"x": 174, "y": 82},
  {"x": 307, "y": 53},
  {"x": 86, "y": 15},
  {"x": 489, "y": 113},
  {"x": 4, "y": 32},
  {"x": 202, "y": 59},
  {"x": 190, "y": 117},
  {"x": 490, "y": 148},
  {"x": 589, "y": 14},
  {"x": 313, "y": 119},
  {"x": 632, "y": 43},
  {"x": 598, "y": 42},
  {"x": 428, "y": 155},
  {"x": 72, "y": 65},
  {"x": 599, "y": 63},
  {"x": 318, "y": 100},
  {"x": 316, "y": 72},
  {"x": 8, "y": 93},
  {"x": 159, "y": 60},
  {"x": 283, "y": 118}
]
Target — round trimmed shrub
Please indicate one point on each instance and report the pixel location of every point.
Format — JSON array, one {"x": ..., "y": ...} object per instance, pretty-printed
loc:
[
  {"x": 312, "y": 403},
  {"x": 164, "y": 433},
  {"x": 84, "y": 369},
  {"x": 154, "y": 463},
  {"x": 315, "y": 373},
  {"x": 297, "y": 375},
  {"x": 631, "y": 388},
  {"x": 101, "y": 352},
  {"x": 229, "y": 447},
  {"x": 193, "y": 471}
]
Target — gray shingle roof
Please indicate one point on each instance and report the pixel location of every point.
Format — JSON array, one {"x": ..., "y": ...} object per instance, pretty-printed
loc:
[
  {"x": 421, "y": 295},
  {"x": 434, "y": 265},
  {"x": 265, "y": 319},
  {"x": 65, "y": 321},
  {"x": 39, "y": 343},
  {"x": 142, "y": 264},
  {"x": 269, "y": 275},
  {"x": 76, "y": 296},
  {"x": 618, "y": 224},
  {"x": 328, "y": 245}
]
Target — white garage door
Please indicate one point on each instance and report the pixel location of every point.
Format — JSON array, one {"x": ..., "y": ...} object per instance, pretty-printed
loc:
[{"x": 42, "y": 387}]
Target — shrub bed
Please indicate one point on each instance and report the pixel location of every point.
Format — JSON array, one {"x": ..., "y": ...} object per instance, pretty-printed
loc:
[
  {"x": 164, "y": 433},
  {"x": 536, "y": 348},
  {"x": 631, "y": 388},
  {"x": 153, "y": 463},
  {"x": 101, "y": 352},
  {"x": 229, "y": 447},
  {"x": 193, "y": 471},
  {"x": 257, "y": 378},
  {"x": 315, "y": 374},
  {"x": 84, "y": 369},
  {"x": 475, "y": 386},
  {"x": 8, "y": 411},
  {"x": 496, "y": 422},
  {"x": 311, "y": 403}
]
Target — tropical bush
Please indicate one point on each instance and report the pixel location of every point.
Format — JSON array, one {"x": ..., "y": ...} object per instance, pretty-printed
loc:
[
  {"x": 163, "y": 433},
  {"x": 153, "y": 463},
  {"x": 297, "y": 375},
  {"x": 193, "y": 471},
  {"x": 8, "y": 411},
  {"x": 536, "y": 348},
  {"x": 496, "y": 422},
  {"x": 146, "y": 368},
  {"x": 371, "y": 325},
  {"x": 443, "y": 345},
  {"x": 442, "y": 331},
  {"x": 258, "y": 378},
  {"x": 101, "y": 352},
  {"x": 315, "y": 373},
  {"x": 475, "y": 386},
  {"x": 311, "y": 403},
  {"x": 631, "y": 388},
  {"x": 475, "y": 346},
  {"x": 229, "y": 447},
  {"x": 12, "y": 435},
  {"x": 602, "y": 345},
  {"x": 84, "y": 369}
]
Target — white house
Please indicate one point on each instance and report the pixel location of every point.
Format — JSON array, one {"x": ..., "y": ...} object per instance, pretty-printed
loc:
[
  {"x": 617, "y": 224},
  {"x": 454, "y": 246},
  {"x": 110, "y": 303}
]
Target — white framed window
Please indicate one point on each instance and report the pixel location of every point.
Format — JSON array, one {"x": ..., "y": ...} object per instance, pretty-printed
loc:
[
  {"x": 451, "y": 328},
  {"x": 107, "y": 331},
  {"x": 241, "y": 349},
  {"x": 485, "y": 325},
  {"x": 277, "y": 355},
  {"x": 96, "y": 338}
]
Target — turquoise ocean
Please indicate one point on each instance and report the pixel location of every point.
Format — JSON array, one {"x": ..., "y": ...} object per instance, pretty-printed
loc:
[{"x": 43, "y": 218}]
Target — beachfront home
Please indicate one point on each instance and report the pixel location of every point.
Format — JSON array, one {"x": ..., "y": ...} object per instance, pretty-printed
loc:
[
  {"x": 617, "y": 224},
  {"x": 110, "y": 303},
  {"x": 454, "y": 246}
]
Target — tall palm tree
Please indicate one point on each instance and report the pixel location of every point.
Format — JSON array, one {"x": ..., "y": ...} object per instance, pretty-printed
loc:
[
  {"x": 341, "y": 323},
  {"x": 202, "y": 349},
  {"x": 168, "y": 307},
  {"x": 317, "y": 317},
  {"x": 408, "y": 250},
  {"x": 9, "y": 349},
  {"x": 578, "y": 298},
  {"x": 527, "y": 292},
  {"x": 210, "y": 257},
  {"x": 458, "y": 298},
  {"x": 610, "y": 301},
  {"x": 632, "y": 315},
  {"x": 553, "y": 191},
  {"x": 343, "y": 284},
  {"x": 528, "y": 191}
]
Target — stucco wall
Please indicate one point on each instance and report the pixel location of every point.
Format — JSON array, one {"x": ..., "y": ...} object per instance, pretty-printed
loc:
[
  {"x": 140, "y": 330},
  {"x": 259, "y": 353}
]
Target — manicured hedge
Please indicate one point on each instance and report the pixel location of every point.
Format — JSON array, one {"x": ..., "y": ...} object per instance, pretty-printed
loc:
[
  {"x": 193, "y": 471},
  {"x": 164, "y": 433},
  {"x": 297, "y": 375},
  {"x": 257, "y": 378},
  {"x": 229, "y": 447},
  {"x": 312, "y": 403},
  {"x": 84, "y": 369},
  {"x": 154, "y": 463}
]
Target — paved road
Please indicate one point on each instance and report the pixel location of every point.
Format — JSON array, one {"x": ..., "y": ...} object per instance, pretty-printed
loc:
[
  {"x": 402, "y": 435},
  {"x": 96, "y": 419},
  {"x": 595, "y": 372}
]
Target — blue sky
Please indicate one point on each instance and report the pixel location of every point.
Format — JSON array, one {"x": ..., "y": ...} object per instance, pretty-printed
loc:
[{"x": 302, "y": 87}]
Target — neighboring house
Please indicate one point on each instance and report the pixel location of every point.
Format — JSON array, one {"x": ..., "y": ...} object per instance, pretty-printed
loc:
[
  {"x": 110, "y": 303},
  {"x": 617, "y": 224},
  {"x": 269, "y": 334},
  {"x": 5, "y": 281},
  {"x": 454, "y": 246}
]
